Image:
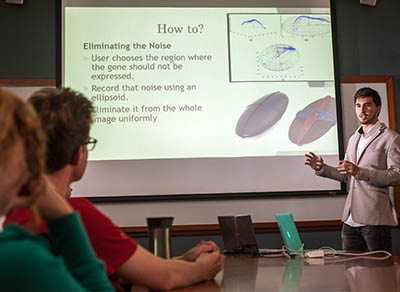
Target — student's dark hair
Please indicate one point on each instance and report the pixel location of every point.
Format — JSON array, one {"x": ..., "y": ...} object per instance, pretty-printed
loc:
[
  {"x": 368, "y": 92},
  {"x": 66, "y": 117}
]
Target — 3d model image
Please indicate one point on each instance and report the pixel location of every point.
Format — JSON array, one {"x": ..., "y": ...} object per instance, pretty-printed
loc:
[
  {"x": 262, "y": 114},
  {"x": 313, "y": 121}
]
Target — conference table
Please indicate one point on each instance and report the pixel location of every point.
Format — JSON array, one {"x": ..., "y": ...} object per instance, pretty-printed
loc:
[{"x": 339, "y": 273}]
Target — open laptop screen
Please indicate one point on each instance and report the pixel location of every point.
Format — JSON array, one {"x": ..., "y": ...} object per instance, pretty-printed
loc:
[
  {"x": 227, "y": 225},
  {"x": 238, "y": 234},
  {"x": 289, "y": 233}
]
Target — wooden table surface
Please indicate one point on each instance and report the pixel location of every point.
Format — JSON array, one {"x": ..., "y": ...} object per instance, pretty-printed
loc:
[{"x": 245, "y": 274}]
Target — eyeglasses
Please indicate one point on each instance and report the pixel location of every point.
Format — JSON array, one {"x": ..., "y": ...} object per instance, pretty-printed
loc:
[{"x": 91, "y": 143}]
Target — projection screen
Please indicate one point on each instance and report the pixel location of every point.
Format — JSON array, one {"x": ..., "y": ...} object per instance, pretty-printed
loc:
[{"x": 210, "y": 98}]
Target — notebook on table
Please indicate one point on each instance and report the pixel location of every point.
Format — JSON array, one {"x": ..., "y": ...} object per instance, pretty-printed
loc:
[{"x": 239, "y": 237}]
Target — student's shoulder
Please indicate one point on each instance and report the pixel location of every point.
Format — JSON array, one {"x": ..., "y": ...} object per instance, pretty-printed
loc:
[
  {"x": 21, "y": 250},
  {"x": 27, "y": 264},
  {"x": 87, "y": 211},
  {"x": 81, "y": 203}
]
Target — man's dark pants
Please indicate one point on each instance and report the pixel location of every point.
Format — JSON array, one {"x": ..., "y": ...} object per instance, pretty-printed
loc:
[{"x": 367, "y": 238}]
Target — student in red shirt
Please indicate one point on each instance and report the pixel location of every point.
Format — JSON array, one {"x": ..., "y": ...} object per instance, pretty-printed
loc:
[{"x": 66, "y": 117}]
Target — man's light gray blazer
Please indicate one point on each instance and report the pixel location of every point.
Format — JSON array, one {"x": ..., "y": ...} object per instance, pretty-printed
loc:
[{"x": 368, "y": 197}]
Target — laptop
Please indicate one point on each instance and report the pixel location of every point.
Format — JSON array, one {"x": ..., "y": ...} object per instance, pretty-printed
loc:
[
  {"x": 289, "y": 233},
  {"x": 291, "y": 237},
  {"x": 230, "y": 236},
  {"x": 239, "y": 237}
]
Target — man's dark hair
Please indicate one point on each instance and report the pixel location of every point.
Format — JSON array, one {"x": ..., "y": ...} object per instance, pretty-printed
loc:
[
  {"x": 368, "y": 92},
  {"x": 66, "y": 117}
]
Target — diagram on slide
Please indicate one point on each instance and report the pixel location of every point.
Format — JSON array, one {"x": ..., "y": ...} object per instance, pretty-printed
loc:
[
  {"x": 279, "y": 57},
  {"x": 306, "y": 26},
  {"x": 250, "y": 28},
  {"x": 262, "y": 114},
  {"x": 280, "y": 47},
  {"x": 312, "y": 122}
]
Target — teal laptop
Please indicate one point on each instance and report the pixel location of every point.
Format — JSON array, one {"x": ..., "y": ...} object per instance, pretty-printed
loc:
[
  {"x": 289, "y": 233},
  {"x": 291, "y": 237}
]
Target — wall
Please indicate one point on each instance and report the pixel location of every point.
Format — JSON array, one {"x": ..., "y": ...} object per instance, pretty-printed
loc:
[
  {"x": 366, "y": 47},
  {"x": 367, "y": 42},
  {"x": 28, "y": 40}
]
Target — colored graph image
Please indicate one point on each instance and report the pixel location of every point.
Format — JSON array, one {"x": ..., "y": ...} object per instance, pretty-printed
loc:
[{"x": 313, "y": 121}]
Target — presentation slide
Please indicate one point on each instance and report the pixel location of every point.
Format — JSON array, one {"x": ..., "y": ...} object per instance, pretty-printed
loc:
[{"x": 182, "y": 90}]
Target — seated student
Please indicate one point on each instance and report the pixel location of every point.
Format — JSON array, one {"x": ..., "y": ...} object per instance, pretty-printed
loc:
[
  {"x": 66, "y": 118},
  {"x": 26, "y": 261}
]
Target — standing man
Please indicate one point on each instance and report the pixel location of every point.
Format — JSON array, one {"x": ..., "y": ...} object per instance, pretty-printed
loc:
[
  {"x": 371, "y": 164},
  {"x": 66, "y": 117}
]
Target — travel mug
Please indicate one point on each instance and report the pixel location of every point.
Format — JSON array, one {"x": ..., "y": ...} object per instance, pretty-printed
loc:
[{"x": 160, "y": 236}]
